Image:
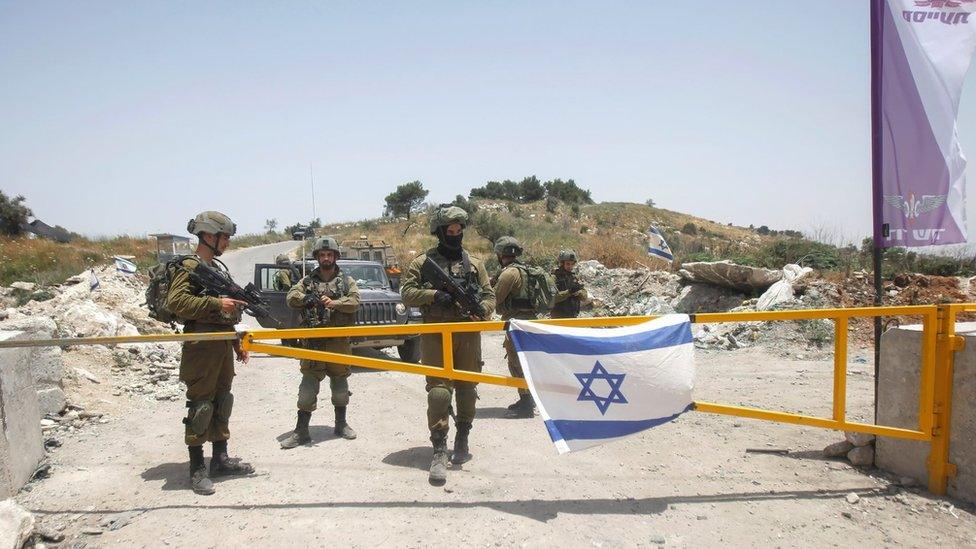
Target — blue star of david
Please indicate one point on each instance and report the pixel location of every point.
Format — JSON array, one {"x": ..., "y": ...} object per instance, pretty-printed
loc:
[{"x": 613, "y": 380}]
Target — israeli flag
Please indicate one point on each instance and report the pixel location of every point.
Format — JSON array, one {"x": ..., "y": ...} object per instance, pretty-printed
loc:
[
  {"x": 93, "y": 283},
  {"x": 598, "y": 385},
  {"x": 125, "y": 266},
  {"x": 656, "y": 245}
]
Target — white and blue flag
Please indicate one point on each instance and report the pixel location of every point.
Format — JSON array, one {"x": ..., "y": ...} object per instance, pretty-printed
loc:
[
  {"x": 124, "y": 265},
  {"x": 656, "y": 245},
  {"x": 598, "y": 385},
  {"x": 93, "y": 283}
]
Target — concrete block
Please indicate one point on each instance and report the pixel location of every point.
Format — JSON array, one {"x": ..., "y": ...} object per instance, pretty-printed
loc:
[
  {"x": 21, "y": 444},
  {"x": 898, "y": 389},
  {"x": 51, "y": 400}
]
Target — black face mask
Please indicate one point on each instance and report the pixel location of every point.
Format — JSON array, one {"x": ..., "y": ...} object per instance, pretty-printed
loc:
[{"x": 449, "y": 245}]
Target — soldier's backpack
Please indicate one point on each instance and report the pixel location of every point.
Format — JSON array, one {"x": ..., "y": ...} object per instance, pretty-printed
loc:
[
  {"x": 160, "y": 277},
  {"x": 539, "y": 288}
]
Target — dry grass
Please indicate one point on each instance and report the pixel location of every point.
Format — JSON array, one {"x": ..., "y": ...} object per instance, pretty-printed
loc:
[{"x": 46, "y": 262}]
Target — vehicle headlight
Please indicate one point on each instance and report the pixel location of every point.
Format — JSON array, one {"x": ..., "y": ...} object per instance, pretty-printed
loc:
[{"x": 400, "y": 309}]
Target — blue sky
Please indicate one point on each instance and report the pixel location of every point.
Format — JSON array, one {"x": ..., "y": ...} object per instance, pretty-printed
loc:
[{"x": 129, "y": 117}]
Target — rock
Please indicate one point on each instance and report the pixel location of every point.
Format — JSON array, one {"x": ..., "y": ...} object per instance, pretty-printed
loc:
[
  {"x": 87, "y": 375},
  {"x": 657, "y": 539},
  {"x": 25, "y": 286},
  {"x": 853, "y": 498},
  {"x": 16, "y": 525},
  {"x": 119, "y": 520},
  {"x": 730, "y": 275},
  {"x": 698, "y": 298},
  {"x": 48, "y": 534},
  {"x": 906, "y": 481},
  {"x": 861, "y": 456},
  {"x": 838, "y": 449},
  {"x": 859, "y": 439}
]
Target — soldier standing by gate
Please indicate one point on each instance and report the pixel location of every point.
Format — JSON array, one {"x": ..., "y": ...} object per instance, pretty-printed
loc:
[
  {"x": 448, "y": 224},
  {"x": 327, "y": 298},
  {"x": 207, "y": 367},
  {"x": 512, "y": 301},
  {"x": 571, "y": 291}
]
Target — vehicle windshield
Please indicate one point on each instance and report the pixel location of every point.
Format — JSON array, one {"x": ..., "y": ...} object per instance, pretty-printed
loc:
[{"x": 366, "y": 276}]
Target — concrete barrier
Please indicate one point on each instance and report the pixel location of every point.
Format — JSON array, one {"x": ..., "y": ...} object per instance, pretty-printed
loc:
[
  {"x": 898, "y": 387},
  {"x": 21, "y": 444}
]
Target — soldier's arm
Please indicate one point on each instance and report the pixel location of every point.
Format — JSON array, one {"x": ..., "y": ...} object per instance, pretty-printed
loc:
[
  {"x": 413, "y": 295},
  {"x": 507, "y": 284},
  {"x": 487, "y": 292},
  {"x": 185, "y": 305},
  {"x": 562, "y": 296},
  {"x": 296, "y": 296},
  {"x": 582, "y": 294},
  {"x": 348, "y": 303}
]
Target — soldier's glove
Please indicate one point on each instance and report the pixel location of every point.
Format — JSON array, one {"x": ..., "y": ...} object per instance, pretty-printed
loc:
[
  {"x": 443, "y": 298},
  {"x": 311, "y": 301}
]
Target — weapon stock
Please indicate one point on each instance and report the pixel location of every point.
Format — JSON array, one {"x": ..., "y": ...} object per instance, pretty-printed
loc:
[{"x": 466, "y": 299}]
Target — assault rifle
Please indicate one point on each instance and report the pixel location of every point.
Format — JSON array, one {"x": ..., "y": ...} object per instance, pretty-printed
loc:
[
  {"x": 313, "y": 301},
  {"x": 464, "y": 296},
  {"x": 221, "y": 284}
]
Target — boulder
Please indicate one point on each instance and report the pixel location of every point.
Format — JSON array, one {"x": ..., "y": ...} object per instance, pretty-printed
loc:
[
  {"x": 861, "y": 456},
  {"x": 16, "y": 525},
  {"x": 838, "y": 449},
  {"x": 24, "y": 286},
  {"x": 730, "y": 275},
  {"x": 859, "y": 439}
]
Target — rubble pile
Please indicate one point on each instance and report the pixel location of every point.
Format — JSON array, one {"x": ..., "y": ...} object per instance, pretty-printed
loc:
[
  {"x": 857, "y": 448},
  {"x": 147, "y": 370}
]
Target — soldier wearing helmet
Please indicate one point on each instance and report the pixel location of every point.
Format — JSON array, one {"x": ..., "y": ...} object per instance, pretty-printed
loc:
[
  {"x": 511, "y": 302},
  {"x": 571, "y": 291},
  {"x": 282, "y": 280},
  {"x": 207, "y": 367},
  {"x": 327, "y": 297},
  {"x": 447, "y": 223}
]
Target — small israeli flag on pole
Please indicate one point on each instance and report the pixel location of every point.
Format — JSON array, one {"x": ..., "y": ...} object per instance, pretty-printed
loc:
[
  {"x": 598, "y": 385},
  {"x": 93, "y": 283},
  {"x": 125, "y": 266},
  {"x": 656, "y": 245}
]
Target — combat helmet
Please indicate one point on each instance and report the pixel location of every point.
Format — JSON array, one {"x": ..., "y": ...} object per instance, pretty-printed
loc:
[
  {"x": 282, "y": 260},
  {"x": 211, "y": 222},
  {"x": 326, "y": 243},
  {"x": 446, "y": 215},
  {"x": 508, "y": 245},
  {"x": 567, "y": 255}
]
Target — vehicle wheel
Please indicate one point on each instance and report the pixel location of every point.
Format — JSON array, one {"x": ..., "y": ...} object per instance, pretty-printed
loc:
[{"x": 410, "y": 350}]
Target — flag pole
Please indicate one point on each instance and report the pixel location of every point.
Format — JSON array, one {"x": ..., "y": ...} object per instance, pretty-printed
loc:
[{"x": 877, "y": 14}]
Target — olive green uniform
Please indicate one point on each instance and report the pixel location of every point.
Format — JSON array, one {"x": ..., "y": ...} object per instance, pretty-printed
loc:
[
  {"x": 343, "y": 291},
  {"x": 466, "y": 348},
  {"x": 510, "y": 302},
  {"x": 282, "y": 280},
  {"x": 567, "y": 302},
  {"x": 206, "y": 367}
]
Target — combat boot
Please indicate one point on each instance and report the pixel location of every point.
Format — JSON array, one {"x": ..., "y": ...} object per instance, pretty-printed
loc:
[
  {"x": 221, "y": 464},
  {"x": 300, "y": 434},
  {"x": 199, "y": 481},
  {"x": 342, "y": 429},
  {"x": 524, "y": 408},
  {"x": 461, "y": 454},
  {"x": 438, "y": 465}
]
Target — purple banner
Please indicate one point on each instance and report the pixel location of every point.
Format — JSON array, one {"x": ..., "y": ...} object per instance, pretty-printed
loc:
[{"x": 925, "y": 51}]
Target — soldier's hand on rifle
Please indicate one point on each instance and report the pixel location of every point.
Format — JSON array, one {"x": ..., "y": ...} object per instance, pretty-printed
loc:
[
  {"x": 327, "y": 302},
  {"x": 443, "y": 298},
  {"x": 230, "y": 305}
]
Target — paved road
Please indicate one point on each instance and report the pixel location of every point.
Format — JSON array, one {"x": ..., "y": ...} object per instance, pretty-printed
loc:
[{"x": 241, "y": 264}]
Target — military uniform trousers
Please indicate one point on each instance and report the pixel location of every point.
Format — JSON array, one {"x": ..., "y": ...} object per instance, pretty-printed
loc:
[
  {"x": 313, "y": 372},
  {"x": 514, "y": 366},
  {"x": 207, "y": 369},
  {"x": 467, "y": 357}
]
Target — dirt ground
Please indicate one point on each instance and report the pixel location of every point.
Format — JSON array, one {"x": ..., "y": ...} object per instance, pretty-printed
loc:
[{"x": 688, "y": 483}]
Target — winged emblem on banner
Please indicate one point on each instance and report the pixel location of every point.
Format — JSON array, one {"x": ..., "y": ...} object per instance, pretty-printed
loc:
[{"x": 912, "y": 208}]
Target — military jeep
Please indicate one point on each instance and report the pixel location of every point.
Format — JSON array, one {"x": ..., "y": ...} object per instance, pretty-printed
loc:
[{"x": 379, "y": 304}]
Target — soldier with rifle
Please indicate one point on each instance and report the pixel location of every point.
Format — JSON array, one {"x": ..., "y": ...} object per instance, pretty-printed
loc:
[
  {"x": 449, "y": 286},
  {"x": 207, "y": 367}
]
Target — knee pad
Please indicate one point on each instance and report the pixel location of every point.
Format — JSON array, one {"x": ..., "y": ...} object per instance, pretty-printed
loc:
[
  {"x": 439, "y": 397},
  {"x": 224, "y": 405},
  {"x": 199, "y": 415}
]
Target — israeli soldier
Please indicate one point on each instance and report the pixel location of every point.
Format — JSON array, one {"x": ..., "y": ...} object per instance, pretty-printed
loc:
[
  {"x": 207, "y": 367},
  {"x": 282, "y": 280},
  {"x": 571, "y": 291},
  {"x": 327, "y": 297},
  {"x": 512, "y": 301},
  {"x": 448, "y": 223}
]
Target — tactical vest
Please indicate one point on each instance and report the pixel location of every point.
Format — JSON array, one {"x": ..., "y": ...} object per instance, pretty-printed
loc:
[
  {"x": 519, "y": 304},
  {"x": 462, "y": 271},
  {"x": 570, "y": 307},
  {"x": 337, "y": 288}
]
